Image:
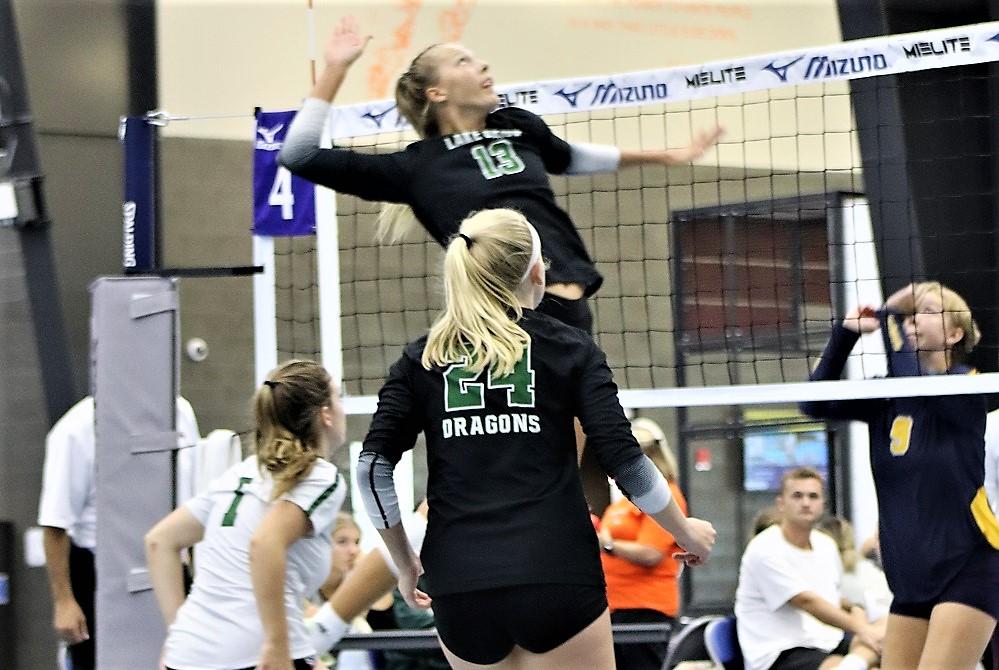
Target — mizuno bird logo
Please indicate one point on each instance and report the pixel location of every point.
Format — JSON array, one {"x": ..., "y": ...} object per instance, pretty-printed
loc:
[{"x": 270, "y": 133}]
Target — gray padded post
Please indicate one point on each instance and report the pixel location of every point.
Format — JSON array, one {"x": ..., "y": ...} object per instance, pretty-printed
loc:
[{"x": 135, "y": 373}]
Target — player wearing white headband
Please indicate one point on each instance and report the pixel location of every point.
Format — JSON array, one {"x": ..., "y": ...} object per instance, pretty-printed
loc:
[{"x": 512, "y": 562}]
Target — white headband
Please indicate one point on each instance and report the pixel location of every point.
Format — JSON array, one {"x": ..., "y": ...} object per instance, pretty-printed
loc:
[{"x": 535, "y": 250}]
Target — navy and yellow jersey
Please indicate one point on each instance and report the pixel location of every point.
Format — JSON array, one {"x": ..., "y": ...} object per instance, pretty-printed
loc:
[
  {"x": 446, "y": 178},
  {"x": 506, "y": 501},
  {"x": 927, "y": 457}
]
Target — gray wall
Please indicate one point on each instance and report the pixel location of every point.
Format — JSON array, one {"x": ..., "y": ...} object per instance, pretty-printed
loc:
[
  {"x": 23, "y": 424},
  {"x": 75, "y": 66}
]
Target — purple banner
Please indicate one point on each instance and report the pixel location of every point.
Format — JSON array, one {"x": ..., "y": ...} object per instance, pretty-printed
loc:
[{"x": 283, "y": 205}]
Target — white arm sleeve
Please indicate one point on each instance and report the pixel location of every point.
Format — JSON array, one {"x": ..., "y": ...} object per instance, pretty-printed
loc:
[
  {"x": 643, "y": 484},
  {"x": 593, "y": 158},
  {"x": 304, "y": 134}
]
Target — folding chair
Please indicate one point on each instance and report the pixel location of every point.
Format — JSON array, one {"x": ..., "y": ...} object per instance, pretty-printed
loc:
[
  {"x": 722, "y": 642},
  {"x": 688, "y": 643}
]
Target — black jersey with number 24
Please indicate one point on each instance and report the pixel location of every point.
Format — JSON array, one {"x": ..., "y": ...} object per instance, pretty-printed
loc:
[{"x": 506, "y": 502}]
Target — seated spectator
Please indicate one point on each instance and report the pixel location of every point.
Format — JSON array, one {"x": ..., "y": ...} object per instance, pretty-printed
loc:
[
  {"x": 638, "y": 561},
  {"x": 365, "y": 593},
  {"x": 871, "y": 548},
  {"x": 765, "y": 518},
  {"x": 789, "y": 611},
  {"x": 864, "y": 583},
  {"x": 346, "y": 548}
]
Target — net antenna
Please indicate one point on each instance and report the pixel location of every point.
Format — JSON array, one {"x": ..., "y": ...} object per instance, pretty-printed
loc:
[{"x": 721, "y": 278}]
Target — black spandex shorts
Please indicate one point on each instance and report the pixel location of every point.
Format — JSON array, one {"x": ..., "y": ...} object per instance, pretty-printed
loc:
[
  {"x": 975, "y": 585},
  {"x": 573, "y": 312},
  {"x": 807, "y": 658},
  {"x": 483, "y": 626}
]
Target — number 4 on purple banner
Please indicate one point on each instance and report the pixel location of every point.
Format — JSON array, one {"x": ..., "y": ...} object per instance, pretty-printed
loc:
[{"x": 283, "y": 204}]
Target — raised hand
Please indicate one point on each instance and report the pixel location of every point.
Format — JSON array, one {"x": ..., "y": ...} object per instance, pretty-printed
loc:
[
  {"x": 346, "y": 44},
  {"x": 862, "y": 319}
]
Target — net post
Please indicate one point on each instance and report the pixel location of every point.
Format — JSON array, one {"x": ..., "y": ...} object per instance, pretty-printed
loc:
[
  {"x": 264, "y": 309},
  {"x": 139, "y": 229},
  {"x": 328, "y": 270}
]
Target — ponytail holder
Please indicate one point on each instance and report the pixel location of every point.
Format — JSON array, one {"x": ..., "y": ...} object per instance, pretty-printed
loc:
[
  {"x": 468, "y": 240},
  {"x": 268, "y": 382},
  {"x": 535, "y": 251}
]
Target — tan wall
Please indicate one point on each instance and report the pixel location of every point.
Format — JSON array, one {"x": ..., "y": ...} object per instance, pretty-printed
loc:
[{"x": 228, "y": 56}]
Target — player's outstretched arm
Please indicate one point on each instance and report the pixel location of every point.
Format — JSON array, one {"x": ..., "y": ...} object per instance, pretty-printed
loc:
[{"x": 703, "y": 141}]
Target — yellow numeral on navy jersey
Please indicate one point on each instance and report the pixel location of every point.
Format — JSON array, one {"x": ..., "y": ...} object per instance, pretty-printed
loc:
[{"x": 901, "y": 433}]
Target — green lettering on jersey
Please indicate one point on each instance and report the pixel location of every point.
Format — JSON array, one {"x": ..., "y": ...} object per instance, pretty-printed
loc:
[
  {"x": 497, "y": 159},
  {"x": 230, "y": 516},
  {"x": 462, "y": 390},
  {"x": 519, "y": 384}
]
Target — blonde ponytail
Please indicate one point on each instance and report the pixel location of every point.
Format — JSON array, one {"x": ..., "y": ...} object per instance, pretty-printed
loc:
[
  {"x": 395, "y": 222},
  {"x": 484, "y": 266}
]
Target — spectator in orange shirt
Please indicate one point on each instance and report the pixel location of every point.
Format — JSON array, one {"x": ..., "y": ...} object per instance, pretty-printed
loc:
[{"x": 638, "y": 559}]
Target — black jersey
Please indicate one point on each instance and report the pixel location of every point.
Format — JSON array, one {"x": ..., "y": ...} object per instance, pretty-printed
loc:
[
  {"x": 506, "y": 501},
  {"x": 444, "y": 179},
  {"x": 928, "y": 461}
]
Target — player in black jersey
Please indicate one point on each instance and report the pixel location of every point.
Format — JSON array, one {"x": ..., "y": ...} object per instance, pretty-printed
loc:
[
  {"x": 472, "y": 156},
  {"x": 511, "y": 558},
  {"x": 939, "y": 539}
]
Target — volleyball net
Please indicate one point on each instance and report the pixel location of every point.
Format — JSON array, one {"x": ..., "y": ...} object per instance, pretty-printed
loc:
[{"x": 722, "y": 277}]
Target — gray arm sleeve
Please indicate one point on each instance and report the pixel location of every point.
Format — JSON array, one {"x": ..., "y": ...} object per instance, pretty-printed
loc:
[
  {"x": 593, "y": 158},
  {"x": 305, "y": 133},
  {"x": 644, "y": 485},
  {"x": 376, "y": 484}
]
